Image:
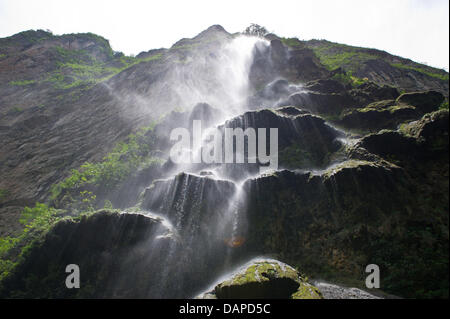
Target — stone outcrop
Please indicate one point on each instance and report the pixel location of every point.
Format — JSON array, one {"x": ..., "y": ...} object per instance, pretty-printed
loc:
[
  {"x": 105, "y": 246},
  {"x": 264, "y": 279},
  {"x": 388, "y": 114}
]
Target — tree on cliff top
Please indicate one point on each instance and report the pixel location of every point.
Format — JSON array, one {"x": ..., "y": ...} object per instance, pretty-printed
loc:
[{"x": 256, "y": 30}]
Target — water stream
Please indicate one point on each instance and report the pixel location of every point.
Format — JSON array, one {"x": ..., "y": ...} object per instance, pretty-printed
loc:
[{"x": 205, "y": 203}]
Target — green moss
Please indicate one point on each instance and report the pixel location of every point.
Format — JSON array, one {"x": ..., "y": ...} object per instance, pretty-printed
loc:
[
  {"x": 291, "y": 42},
  {"x": 353, "y": 164},
  {"x": 348, "y": 78},
  {"x": 414, "y": 128},
  {"x": 260, "y": 272},
  {"x": 22, "y": 83},
  {"x": 37, "y": 221},
  {"x": 381, "y": 106},
  {"x": 307, "y": 291},
  {"x": 395, "y": 108},
  {"x": 334, "y": 55},
  {"x": 151, "y": 58},
  {"x": 440, "y": 76}
]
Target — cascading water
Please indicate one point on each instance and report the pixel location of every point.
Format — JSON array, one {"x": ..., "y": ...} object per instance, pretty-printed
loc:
[
  {"x": 206, "y": 203},
  {"x": 204, "y": 209}
]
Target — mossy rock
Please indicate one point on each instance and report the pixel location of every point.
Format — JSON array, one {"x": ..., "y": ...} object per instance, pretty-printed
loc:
[
  {"x": 430, "y": 126},
  {"x": 105, "y": 245},
  {"x": 378, "y": 115},
  {"x": 424, "y": 101},
  {"x": 266, "y": 279}
]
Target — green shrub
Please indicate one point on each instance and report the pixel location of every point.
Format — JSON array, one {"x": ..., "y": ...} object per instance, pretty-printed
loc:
[
  {"x": 115, "y": 167},
  {"x": 37, "y": 221},
  {"x": 348, "y": 78},
  {"x": 444, "y": 105}
]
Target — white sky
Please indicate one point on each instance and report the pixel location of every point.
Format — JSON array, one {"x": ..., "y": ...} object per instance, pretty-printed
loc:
[{"x": 415, "y": 29}]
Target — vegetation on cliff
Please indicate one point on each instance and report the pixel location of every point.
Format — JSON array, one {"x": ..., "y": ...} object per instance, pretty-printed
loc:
[{"x": 350, "y": 58}]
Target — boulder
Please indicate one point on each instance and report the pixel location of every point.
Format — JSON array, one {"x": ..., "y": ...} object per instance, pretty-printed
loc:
[{"x": 266, "y": 279}]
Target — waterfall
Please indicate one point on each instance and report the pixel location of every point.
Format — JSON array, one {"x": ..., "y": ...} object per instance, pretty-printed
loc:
[
  {"x": 206, "y": 203},
  {"x": 204, "y": 207}
]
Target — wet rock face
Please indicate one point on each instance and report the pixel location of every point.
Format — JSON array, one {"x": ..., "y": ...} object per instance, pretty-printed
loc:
[
  {"x": 277, "y": 60},
  {"x": 265, "y": 279},
  {"x": 423, "y": 139},
  {"x": 330, "y": 98},
  {"x": 105, "y": 246},
  {"x": 205, "y": 113},
  {"x": 204, "y": 214},
  {"x": 425, "y": 102},
  {"x": 308, "y": 131},
  {"x": 432, "y": 128},
  {"x": 276, "y": 89},
  {"x": 387, "y": 143},
  {"x": 189, "y": 200},
  {"x": 311, "y": 210}
]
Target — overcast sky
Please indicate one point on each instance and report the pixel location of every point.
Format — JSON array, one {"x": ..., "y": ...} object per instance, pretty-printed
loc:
[{"x": 415, "y": 29}]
